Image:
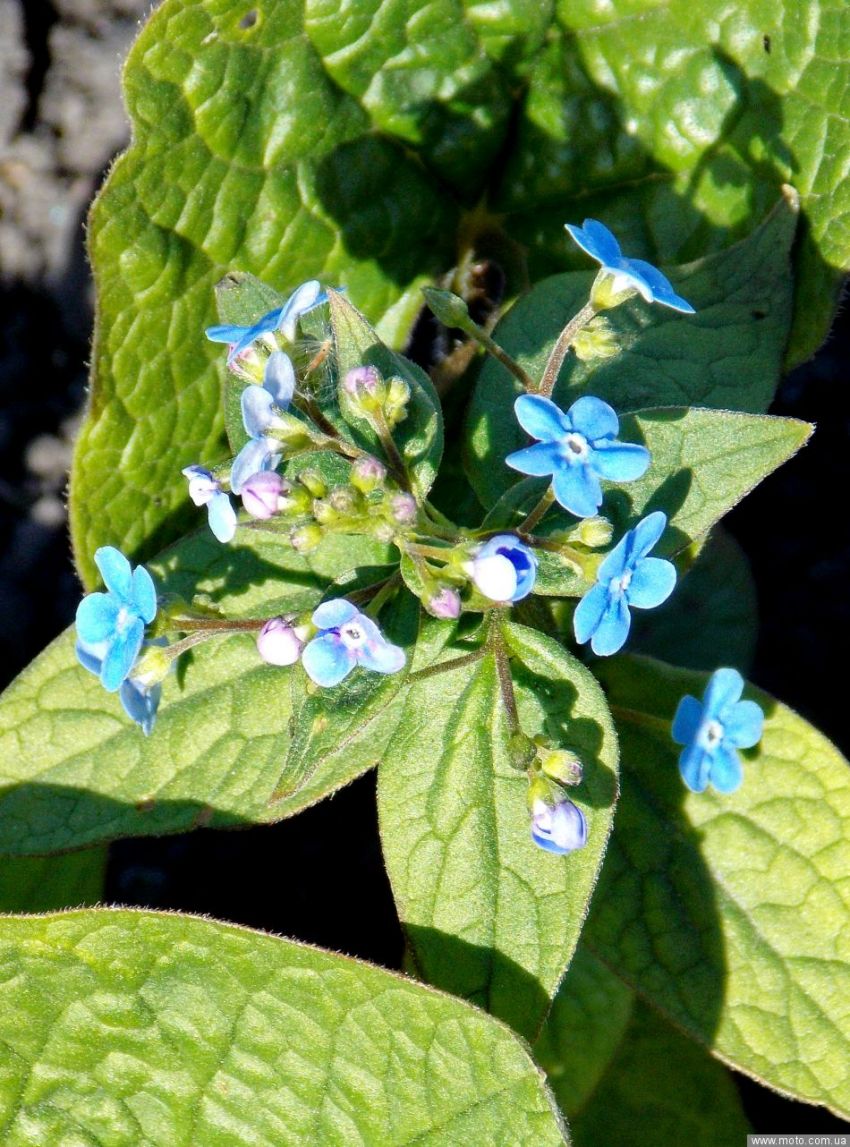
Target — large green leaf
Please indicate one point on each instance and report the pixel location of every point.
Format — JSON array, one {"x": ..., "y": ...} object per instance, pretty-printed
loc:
[
  {"x": 139, "y": 1029},
  {"x": 622, "y": 1074},
  {"x": 489, "y": 916},
  {"x": 726, "y": 356},
  {"x": 732, "y": 913},
  {"x": 235, "y": 740}
]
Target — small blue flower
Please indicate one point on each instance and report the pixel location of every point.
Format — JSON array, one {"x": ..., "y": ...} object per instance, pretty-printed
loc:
[
  {"x": 713, "y": 730},
  {"x": 627, "y": 577},
  {"x": 259, "y": 406},
  {"x": 561, "y": 829},
  {"x": 205, "y": 490},
  {"x": 140, "y": 702},
  {"x": 600, "y": 244},
  {"x": 577, "y": 449},
  {"x": 283, "y": 319},
  {"x": 503, "y": 568},
  {"x": 347, "y": 638},
  {"x": 114, "y": 622}
]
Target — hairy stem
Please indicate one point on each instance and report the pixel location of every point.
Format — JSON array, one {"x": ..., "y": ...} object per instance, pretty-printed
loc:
[
  {"x": 559, "y": 350},
  {"x": 526, "y": 526}
]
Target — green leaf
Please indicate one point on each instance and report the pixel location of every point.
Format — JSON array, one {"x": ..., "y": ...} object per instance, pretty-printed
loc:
[
  {"x": 660, "y": 1088},
  {"x": 732, "y": 913},
  {"x": 583, "y": 1031},
  {"x": 419, "y": 436},
  {"x": 45, "y": 883},
  {"x": 727, "y": 355},
  {"x": 703, "y": 463},
  {"x": 711, "y": 619},
  {"x": 236, "y": 741},
  {"x": 489, "y": 916},
  {"x": 129, "y": 1028}
]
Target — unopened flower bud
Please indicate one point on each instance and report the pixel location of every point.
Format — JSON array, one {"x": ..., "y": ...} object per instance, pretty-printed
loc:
[
  {"x": 561, "y": 765},
  {"x": 367, "y": 474},
  {"x": 594, "y": 532},
  {"x": 324, "y": 512},
  {"x": 521, "y": 750},
  {"x": 291, "y": 431},
  {"x": 382, "y": 531},
  {"x": 306, "y": 538},
  {"x": 152, "y": 666},
  {"x": 403, "y": 508},
  {"x": 261, "y": 493},
  {"x": 561, "y": 828},
  {"x": 609, "y": 290},
  {"x": 398, "y": 396},
  {"x": 278, "y": 643},
  {"x": 314, "y": 482},
  {"x": 295, "y": 500},
  {"x": 364, "y": 382},
  {"x": 344, "y": 500},
  {"x": 444, "y": 604},
  {"x": 596, "y": 342}
]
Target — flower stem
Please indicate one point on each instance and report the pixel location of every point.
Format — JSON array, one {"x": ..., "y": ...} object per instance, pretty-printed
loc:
[
  {"x": 559, "y": 350},
  {"x": 213, "y": 625},
  {"x": 445, "y": 666},
  {"x": 493, "y": 348},
  {"x": 528, "y": 524},
  {"x": 383, "y": 594},
  {"x": 497, "y": 646},
  {"x": 390, "y": 449}
]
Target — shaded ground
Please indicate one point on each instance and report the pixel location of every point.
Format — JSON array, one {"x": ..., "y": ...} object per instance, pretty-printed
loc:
[{"x": 318, "y": 877}]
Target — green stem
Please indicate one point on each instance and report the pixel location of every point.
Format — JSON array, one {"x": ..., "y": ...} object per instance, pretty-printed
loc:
[
  {"x": 497, "y": 646},
  {"x": 445, "y": 666},
  {"x": 390, "y": 449},
  {"x": 493, "y": 348},
  {"x": 441, "y": 553},
  {"x": 213, "y": 625},
  {"x": 526, "y": 526},
  {"x": 383, "y": 595},
  {"x": 559, "y": 350}
]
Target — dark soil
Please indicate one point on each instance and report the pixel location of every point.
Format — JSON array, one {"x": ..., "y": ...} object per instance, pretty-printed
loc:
[{"x": 318, "y": 877}]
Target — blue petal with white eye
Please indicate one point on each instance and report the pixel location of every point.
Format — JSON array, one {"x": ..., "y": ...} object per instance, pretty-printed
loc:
[
  {"x": 258, "y": 410},
  {"x": 381, "y": 656},
  {"x": 326, "y": 660},
  {"x": 540, "y": 417},
  {"x": 116, "y": 571},
  {"x": 121, "y": 654},
  {"x": 333, "y": 614},
  {"x": 687, "y": 720},
  {"x": 577, "y": 489},
  {"x": 652, "y": 582},
  {"x": 593, "y": 418},
  {"x": 97, "y": 615},
  {"x": 537, "y": 461},
  {"x": 620, "y": 461},
  {"x": 712, "y": 730},
  {"x": 743, "y": 724}
]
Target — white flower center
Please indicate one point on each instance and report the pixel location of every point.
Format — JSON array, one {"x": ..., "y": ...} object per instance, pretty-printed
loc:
[
  {"x": 123, "y": 619},
  {"x": 711, "y": 734},
  {"x": 352, "y": 635},
  {"x": 574, "y": 447},
  {"x": 620, "y": 584}
]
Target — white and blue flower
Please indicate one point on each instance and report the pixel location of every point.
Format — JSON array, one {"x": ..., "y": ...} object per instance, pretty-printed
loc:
[
  {"x": 347, "y": 638},
  {"x": 712, "y": 731},
  {"x": 561, "y": 828},
  {"x": 140, "y": 701},
  {"x": 503, "y": 568},
  {"x": 205, "y": 490},
  {"x": 260, "y": 406},
  {"x": 111, "y": 625},
  {"x": 597, "y": 241},
  {"x": 284, "y": 319},
  {"x": 578, "y": 448},
  {"x": 626, "y": 578}
]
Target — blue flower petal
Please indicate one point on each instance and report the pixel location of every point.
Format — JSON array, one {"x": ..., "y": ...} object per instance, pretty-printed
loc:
[
  {"x": 121, "y": 655},
  {"x": 539, "y": 460},
  {"x": 254, "y": 457},
  {"x": 333, "y": 614},
  {"x": 695, "y": 765},
  {"x": 616, "y": 563},
  {"x": 653, "y": 580},
  {"x": 326, "y": 660},
  {"x": 589, "y": 613},
  {"x": 687, "y": 720},
  {"x": 257, "y": 410},
  {"x": 222, "y": 516},
  {"x": 645, "y": 535},
  {"x": 522, "y": 558},
  {"x": 613, "y": 629},
  {"x": 660, "y": 287},
  {"x": 620, "y": 461},
  {"x": 262, "y": 326},
  {"x": 144, "y": 594},
  {"x": 540, "y": 417},
  {"x": 597, "y": 241},
  {"x": 381, "y": 656},
  {"x": 724, "y": 689},
  {"x": 743, "y": 725},
  {"x": 91, "y": 655},
  {"x": 116, "y": 571},
  {"x": 577, "y": 489},
  {"x": 279, "y": 379},
  {"x": 224, "y": 333},
  {"x": 726, "y": 771},
  {"x": 140, "y": 704},
  {"x": 593, "y": 418},
  {"x": 302, "y": 300},
  {"x": 96, "y": 617}
]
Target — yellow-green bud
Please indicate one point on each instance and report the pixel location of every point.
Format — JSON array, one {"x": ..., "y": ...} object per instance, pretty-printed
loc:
[
  {"x": 152, "y": 666},
  {"x": 291, "y": 431},
  {"x": 594, "y": 532},
  {"x": 395, "y": 406},
  {"x": 596, "y": 342},
  {"x": 561, "y": 765},
  {"x": 314, "y": 482},
  {"x": 345, "y": 500},
  {"x": 324, "y": 512},
  {"x": 521, "y": 750},
  {"x": 367, "y": 474},
  {"x": 609, "y": 291},
  {"x": 306, "y": 538},
  {"x": 539, "y": 789}
]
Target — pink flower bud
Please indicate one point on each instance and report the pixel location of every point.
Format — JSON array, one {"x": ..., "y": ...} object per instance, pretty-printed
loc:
[
  {"x": 261, "y": 493},
  {"x": 367, "y": 473},
  {"x": 403, "y": 508},
  {"x": 362, "y": 380},
  {"x": 278, "y": 643},
  {"x": 445, "y": 604}
]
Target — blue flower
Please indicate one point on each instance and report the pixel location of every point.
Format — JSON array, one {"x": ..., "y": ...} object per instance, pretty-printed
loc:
[
  {"x": 577, "y": 449},
  {"x": 205, "y": 490},
  {"x": 600, "y": 244},
  {"x": 627, "y": 577},
  {"x": 347, "y": 638},
  {"x": 713, "y": 730},
  {"x": 503, "y": 568},
  {"x": 560, "y": 829},
  {"x": 283, "y": 319},
  {"x": 140, "y": 702},
  {"x": 114, "y": 622},
  {"x": 259, "y": 406}
]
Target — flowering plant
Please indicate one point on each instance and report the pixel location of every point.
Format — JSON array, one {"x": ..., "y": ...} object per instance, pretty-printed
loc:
[{"x": 459, "y": 564}]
